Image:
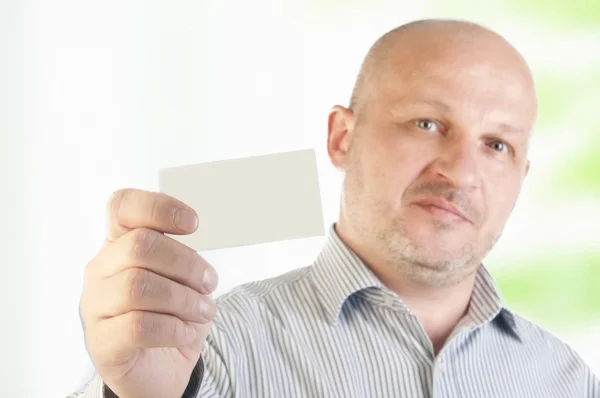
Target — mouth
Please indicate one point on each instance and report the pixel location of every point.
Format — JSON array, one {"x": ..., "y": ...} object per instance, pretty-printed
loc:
[{"x": 442, "y": 209}]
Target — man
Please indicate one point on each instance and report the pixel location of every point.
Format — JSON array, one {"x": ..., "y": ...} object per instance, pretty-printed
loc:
[{"x": 434, "y": 150}]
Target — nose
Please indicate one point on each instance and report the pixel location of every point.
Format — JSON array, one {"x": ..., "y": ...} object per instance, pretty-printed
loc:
[{"x": 457, "y": 162}]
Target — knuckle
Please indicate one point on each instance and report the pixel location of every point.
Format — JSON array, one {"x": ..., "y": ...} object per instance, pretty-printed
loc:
[
  {"x": 88, "y": 308},
  {"x": 138, "y": 283},
  {"x": 155, "y": 211},
  {"x": 188, "y": 263},
  {"x": 144, "y": 242},
  {"x": 188, "y": 301},
  {"x": 174, "y": 329},
  {"x": 115, "y": 202},
  {"x": 87, "y": 274},
  {"x": 139, "y": 327}
]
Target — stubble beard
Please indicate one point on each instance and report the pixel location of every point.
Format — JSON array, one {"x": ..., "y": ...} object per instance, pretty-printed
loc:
[{"x": 424, "y": 263}]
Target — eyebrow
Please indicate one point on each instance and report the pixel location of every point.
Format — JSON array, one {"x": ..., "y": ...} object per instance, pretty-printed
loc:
[
  {"x": 437, "y": 104},
  {"x": 507, "y": 128},
  {"x": 405, "y": 102}
]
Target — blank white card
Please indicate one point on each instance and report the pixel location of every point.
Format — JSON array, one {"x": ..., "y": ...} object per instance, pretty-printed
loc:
[{"x": 249, "y": 200}]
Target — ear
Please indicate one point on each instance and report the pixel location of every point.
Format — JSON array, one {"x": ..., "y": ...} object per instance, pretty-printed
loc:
[{"x": 340, "y": 128}]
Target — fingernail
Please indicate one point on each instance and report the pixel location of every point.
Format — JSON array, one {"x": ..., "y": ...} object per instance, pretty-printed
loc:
[
  {"x": 210, "y": 279},
  {"x": 185, "y": 220},
  {"x": 206, "y": 309}
]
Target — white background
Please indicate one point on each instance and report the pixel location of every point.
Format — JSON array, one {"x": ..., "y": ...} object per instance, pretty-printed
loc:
[{"x": 98, "y": 96}]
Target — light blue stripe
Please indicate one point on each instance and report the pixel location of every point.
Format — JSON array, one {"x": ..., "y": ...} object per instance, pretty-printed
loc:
[
  {"x": 331, "y": 330},
  {"x": 326, "y": 331}
]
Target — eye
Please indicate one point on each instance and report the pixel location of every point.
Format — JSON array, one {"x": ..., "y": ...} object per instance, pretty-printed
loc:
[
  {"x": 499, "y": 146},
  {"x": 426, "y": 124}
]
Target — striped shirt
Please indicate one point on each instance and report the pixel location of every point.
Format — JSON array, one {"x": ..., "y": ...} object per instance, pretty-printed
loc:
[{"x": 334, "y": 330}]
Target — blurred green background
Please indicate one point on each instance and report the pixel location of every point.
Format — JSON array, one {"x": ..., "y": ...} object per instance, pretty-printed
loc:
[
  {"x": 547, "y": 264},
  {"x": 106, "y": 93},
  {"x": 549, "y": 268}
]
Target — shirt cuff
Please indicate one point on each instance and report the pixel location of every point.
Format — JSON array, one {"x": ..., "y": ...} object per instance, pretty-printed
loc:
[
  {"x": 93, "y": 389},
  {"x": 97, "y": 389},
  {"x": 193, "y": 386}
]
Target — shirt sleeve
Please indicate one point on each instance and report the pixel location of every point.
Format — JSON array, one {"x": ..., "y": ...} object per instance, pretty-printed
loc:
[
  {"x": 94, "y": 389},
  {"x": 216, "y": 376},
  {"x": 593, "y": 386},
  {"x": 97, "y": 389}
]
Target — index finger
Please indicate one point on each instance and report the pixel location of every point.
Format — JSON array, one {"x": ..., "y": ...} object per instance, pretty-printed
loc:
[{"x": 134, "y": 208}]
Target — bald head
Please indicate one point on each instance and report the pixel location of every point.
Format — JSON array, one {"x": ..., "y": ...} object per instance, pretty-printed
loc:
[
  {"x": 459, "y": 45},
  {"x": 442, "y": 109}
]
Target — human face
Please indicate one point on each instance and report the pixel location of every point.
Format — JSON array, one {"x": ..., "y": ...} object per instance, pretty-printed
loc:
[{"x": 435, "y": 162}]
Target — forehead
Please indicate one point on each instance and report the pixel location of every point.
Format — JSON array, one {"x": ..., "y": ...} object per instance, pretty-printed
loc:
[{"x": 481, "y": 88}]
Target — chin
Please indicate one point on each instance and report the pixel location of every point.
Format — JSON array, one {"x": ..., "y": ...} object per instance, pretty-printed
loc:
[
  {"x": 442, "y": 236},
  {"x": 435, "y": 250}
]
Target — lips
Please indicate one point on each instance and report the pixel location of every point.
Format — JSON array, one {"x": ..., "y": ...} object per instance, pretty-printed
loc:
[{"x": 437, "y": 203}]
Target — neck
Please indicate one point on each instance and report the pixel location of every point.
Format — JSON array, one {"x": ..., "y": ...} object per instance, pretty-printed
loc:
[{"x": 439, "y": 307}]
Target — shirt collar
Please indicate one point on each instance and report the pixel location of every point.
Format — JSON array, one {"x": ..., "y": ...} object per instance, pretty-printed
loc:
[
  {"x": 487, "y": 304},
  {"x": 338, "y": 273}
]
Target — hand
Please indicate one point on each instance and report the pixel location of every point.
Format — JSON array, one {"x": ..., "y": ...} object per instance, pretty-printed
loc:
[{"x": 144, "y": 306}]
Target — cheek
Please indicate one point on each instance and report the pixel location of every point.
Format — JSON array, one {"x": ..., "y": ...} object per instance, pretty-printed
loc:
[
  {"x": 501, "y": 194},
  {"x": 397, "y": 163}
]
